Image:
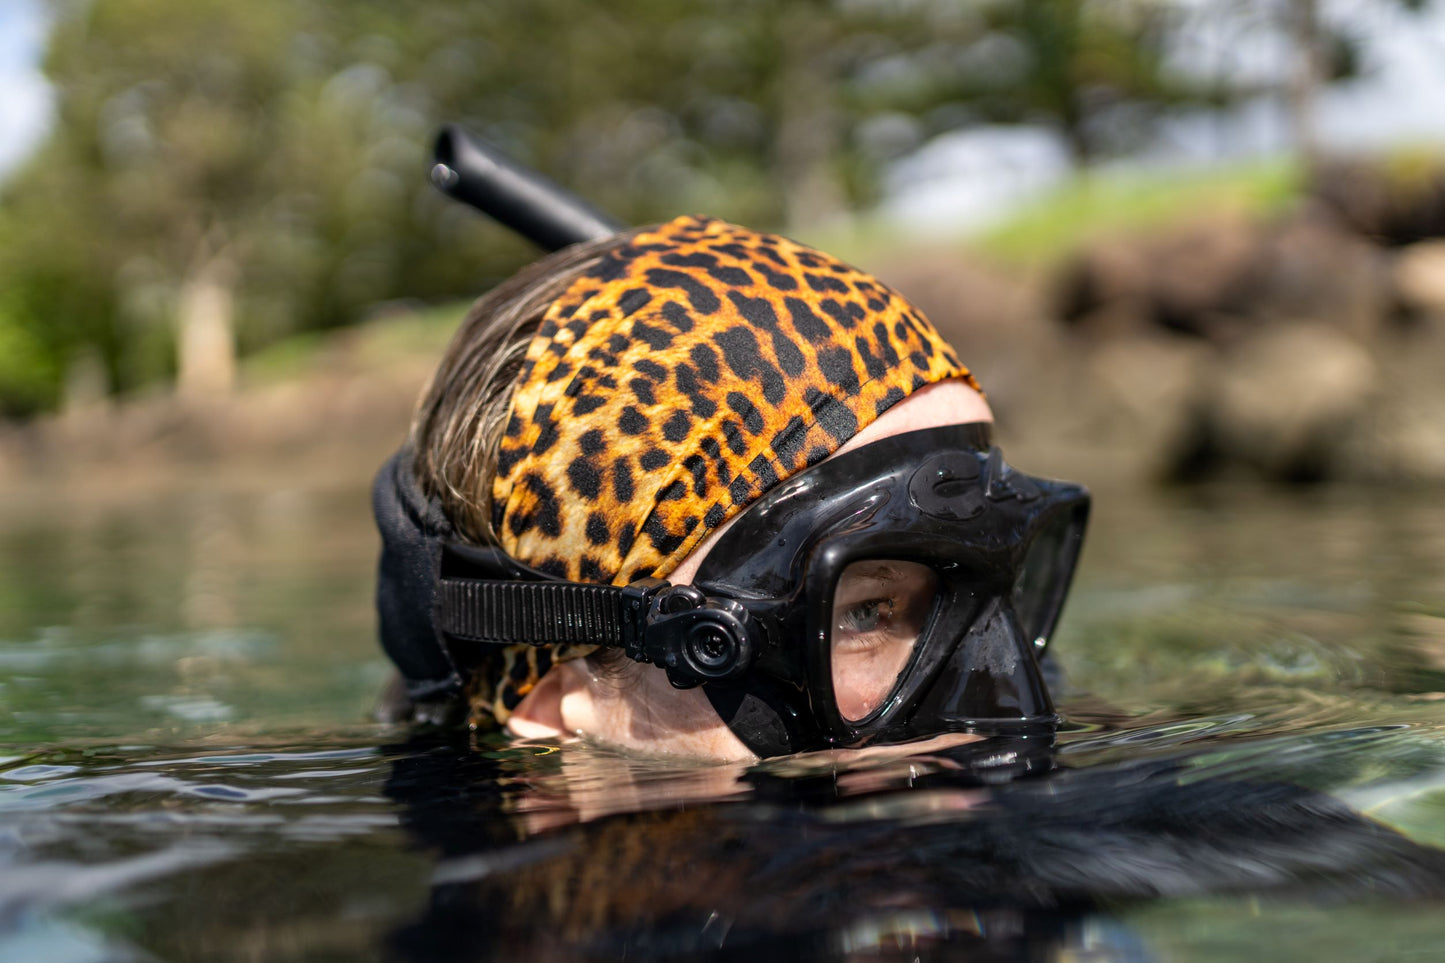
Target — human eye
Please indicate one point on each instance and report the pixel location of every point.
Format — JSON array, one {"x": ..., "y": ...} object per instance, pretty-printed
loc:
[
  {"x": 880, "y": 608},
  {"x": 865, "y": 618}
]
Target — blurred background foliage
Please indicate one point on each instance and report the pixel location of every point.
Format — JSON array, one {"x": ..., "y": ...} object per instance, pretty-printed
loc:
[{"x": 220, "y": 176}]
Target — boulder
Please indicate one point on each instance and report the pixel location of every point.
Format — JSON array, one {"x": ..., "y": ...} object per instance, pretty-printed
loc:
[
  {"x": 1289, "y": 400},
  {"x": 1418, "y": 277},
  {"x": 1108, "y": 280},
  {"x": 1396, "y": 199},
  {"x": 1311, "y": 267},
  {"x": 1203, "y": 272},
  {"x": 1146, "y": 391},
  {"x": 1223, "y": 275},
  {"x": 1182, "y": 279}
]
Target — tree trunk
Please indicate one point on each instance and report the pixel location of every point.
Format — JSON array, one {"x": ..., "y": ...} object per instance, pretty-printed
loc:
[
  {"x": 205, "y": 336},
  {"x": 808, "y": 122},
  {"x": 1305, "y": 79}
]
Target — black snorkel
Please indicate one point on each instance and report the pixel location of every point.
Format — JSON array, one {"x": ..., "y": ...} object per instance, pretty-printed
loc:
[{"x": 474, "y": 172}]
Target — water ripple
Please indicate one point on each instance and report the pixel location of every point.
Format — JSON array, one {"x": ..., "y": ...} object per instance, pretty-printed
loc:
[
  {"x": 37, "y": 772},
  {"x": 51, "y": 882}
]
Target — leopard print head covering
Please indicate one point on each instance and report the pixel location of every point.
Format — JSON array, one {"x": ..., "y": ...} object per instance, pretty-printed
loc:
[{"x": 694, "y": 368}]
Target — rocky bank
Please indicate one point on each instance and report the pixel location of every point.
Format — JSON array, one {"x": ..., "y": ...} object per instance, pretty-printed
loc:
[{"x": 1304, "y": 346}]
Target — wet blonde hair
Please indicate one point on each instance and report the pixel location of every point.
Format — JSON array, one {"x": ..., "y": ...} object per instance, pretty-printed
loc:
[{"x": 463, "y": 409}]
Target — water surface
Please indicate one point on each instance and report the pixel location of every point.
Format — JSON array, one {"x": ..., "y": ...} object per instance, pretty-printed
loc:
[{"x": 187, "y": 769}]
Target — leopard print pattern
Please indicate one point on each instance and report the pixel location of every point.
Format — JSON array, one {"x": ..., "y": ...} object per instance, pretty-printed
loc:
[
  {"x": 690, "y": 371},
  {"x": 498, "y": 685}
]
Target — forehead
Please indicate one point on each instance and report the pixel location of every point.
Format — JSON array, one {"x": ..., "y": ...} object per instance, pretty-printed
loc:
[{"x": 951, "y": 402}]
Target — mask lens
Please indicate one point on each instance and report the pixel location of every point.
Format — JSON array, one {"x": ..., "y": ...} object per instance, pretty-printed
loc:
[
  {"x": 880, "y": 610},
  {"x": 1044, "y": 576}
]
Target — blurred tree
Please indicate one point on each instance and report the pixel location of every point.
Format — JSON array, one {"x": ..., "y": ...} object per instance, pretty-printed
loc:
[
  {"x": 1289, "y": 50},
  {"x": 141, "y": 206},
  {"x": 223, "y": 174},
  {"x": 1324, "y": 51},
  {"x": 1096, "y": 71}
]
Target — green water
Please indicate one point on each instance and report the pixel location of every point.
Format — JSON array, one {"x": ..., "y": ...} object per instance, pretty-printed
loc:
[{"x": 188, "y": 770}]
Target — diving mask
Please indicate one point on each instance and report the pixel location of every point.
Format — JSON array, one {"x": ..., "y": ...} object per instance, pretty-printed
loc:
[{"x": 902, "y": 589}]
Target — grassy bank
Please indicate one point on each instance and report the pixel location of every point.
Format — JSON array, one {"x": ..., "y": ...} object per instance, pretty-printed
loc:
[
  {"x": 1083, "y": 206},
  {"x": 1098, "y": 202}
]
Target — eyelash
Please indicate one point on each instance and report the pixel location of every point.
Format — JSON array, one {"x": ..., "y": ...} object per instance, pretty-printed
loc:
[{"x": 881, "y": 608}]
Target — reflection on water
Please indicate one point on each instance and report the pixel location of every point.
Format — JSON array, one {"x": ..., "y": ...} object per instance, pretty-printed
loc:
[
  {"x": 1255, "y": 686},
  {"x": 164, "y": 616}
]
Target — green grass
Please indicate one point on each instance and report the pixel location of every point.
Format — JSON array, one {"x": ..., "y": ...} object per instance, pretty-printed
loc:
[
  {"x": 287, "y": 358},
  {"x": 1084, "y": 206},
  {"x": 1092, "y": 203},
  {"x": 424, "y": 332}
]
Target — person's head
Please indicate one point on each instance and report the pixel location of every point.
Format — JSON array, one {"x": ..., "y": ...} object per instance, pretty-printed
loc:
[{"x": 708, "y": 405}]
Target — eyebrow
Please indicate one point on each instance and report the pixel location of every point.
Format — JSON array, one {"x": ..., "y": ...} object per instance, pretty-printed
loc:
[{"x": 881, "y": 571}]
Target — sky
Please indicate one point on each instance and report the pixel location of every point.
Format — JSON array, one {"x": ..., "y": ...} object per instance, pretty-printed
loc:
[
  {"x": 25, "y": 98},
  {"x": 969, "y": 180}
]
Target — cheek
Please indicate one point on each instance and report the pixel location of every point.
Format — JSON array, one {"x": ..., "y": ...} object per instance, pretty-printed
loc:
[{"x": 638, "y": 710}]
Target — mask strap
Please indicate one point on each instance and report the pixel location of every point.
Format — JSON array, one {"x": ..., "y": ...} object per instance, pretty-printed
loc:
[
  {"x": 541, "y": 613},
  {"x": 413, "y": 530},
  {"x": 693, "y": 637}
]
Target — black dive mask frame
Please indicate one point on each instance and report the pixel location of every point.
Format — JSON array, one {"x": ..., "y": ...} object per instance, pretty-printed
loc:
[{"x": 754, "y": 628}]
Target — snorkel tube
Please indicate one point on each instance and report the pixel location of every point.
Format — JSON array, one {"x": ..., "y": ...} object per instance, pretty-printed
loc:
[{"x": 469, "y": 170}]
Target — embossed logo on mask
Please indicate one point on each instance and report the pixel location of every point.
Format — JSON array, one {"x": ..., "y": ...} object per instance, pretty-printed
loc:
[
  {"x": 951, "y": 485},
  {"x": 947, "y": 486}
]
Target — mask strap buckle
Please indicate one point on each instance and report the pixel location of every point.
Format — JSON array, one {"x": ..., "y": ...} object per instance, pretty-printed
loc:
[{"x": 698, "y": 638}]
